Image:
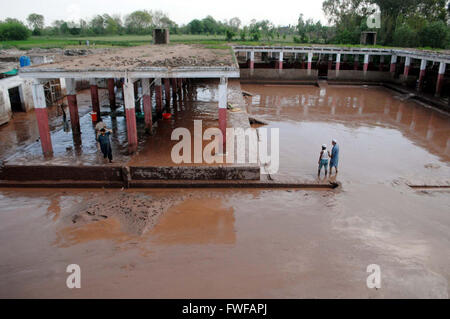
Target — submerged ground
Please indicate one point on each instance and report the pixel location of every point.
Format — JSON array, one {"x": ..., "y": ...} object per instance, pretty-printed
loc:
[{"x": 257, "y": 243}]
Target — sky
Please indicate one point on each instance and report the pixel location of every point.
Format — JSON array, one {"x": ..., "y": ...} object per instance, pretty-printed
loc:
[{"x": 281, "y": 12}]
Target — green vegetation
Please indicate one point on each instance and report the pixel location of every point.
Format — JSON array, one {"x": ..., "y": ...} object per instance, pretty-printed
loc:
[{"x": 406, "y": 23}]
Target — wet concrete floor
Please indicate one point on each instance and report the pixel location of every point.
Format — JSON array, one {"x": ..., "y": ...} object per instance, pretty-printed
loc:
[{"x": 257, "y": 243}]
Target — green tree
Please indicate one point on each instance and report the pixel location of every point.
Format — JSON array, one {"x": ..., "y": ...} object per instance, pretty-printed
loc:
[
  {"x": 139, "y": 22},
  {"x": 36, "y": 22},
  {"x": 435, "y": 35},
  {"x": 229, "y": 34},
  {"x": 13, "y": 30}
]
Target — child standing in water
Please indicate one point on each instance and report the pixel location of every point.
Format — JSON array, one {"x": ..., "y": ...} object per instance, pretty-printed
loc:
[{"x": 323, "y": 160}]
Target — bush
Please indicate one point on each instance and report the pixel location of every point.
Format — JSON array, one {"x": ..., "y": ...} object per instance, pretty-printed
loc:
[
  {"x": 229, "y": 35},
  {"x": 405, "y": 36},
  {"x": 13, "y": 31},
  {"x": 434, "y": 34}
]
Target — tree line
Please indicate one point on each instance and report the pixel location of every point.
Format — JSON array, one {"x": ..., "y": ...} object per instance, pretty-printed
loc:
[{"x": 406, "y": 23}]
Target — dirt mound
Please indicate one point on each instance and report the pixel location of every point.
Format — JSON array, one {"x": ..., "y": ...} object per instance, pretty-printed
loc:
[{"x": 137, "y": 212}]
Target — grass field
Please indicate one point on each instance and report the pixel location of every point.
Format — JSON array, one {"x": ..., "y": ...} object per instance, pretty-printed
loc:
[{"x": 212, "y": 41}]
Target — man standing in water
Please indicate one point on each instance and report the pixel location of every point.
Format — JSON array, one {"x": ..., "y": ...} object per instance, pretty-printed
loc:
[
  {"x": 105, "y": 143},
  {"x": 323, "y": 160},
  {"x": 334, "y": 156}
]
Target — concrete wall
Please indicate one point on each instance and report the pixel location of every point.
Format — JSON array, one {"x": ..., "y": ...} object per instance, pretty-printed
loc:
[
  {"x": 275, "y": 74},
  {"x": 26, "y": 96},
  {"x": 359, "y": 76},
  {"x": 195, "y": 173}
]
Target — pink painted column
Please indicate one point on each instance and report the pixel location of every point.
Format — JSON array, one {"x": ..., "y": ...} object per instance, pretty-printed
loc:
[
  {"x": 252, "y": 60},
  {"x": 174, "y": 88},
  {"x": 147, "y": 102},
  {"x": 440, "y": 79},
  {"x": 356, "y": 63},
  {"x": 111, "y": 94},
  {"x": 167, "y": 89},
  {"x": 330, "y": 62},
  {"x": 407, "y": 65},
  {"x": 381, "y": 62},
  {"x": 94, "y": 98},
  {"x": 338, "y": 61},
  {"x": 310, "y": 57},
  {"x": 366, "y": 63},
  {"x": 393, "y": 63},
  {"x": 73, "y": 105},
  {"x": 40, "y": 109},
  {"x": 128, "y": 90},
  {"x": 423, "y": 68},
  {"x": 223, "y": 111},
  {"x": 279, "y": 64},
  {"x": 158, "y": 97}
]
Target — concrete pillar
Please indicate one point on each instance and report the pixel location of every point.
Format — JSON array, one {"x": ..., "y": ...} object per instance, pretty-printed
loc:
[
  {"x": 423, "y": 68},
  {"x": 112, "y": 94},
  {"x": 94, "y": 98},
  {"x": 158, "y": 97},
  {"x": 393, "y": 63},
  {"x": 310, "y": 57},
  {"x": 407, "y": 65},
  {"x": 338, "y": 61},
  {"x": 252, "y": 60},
  {"x": 440, "y": 79},
  {"x": 40, "y": 109},
  {"x": 279, "y": 64},
  {"x": 179, "y": 87},
  {"x": 381, "y": 62},
  {"x": 366, "y": 63},
  {"x": 62, "y": 84},
  {"x": 223, "y": 110},
  {"x": 356, "y": 62},
  {"x": 147, "y": 101},
  {"x": 128, "y": 95},
  {"x": 167, "y": 90},
  {"x": 73, "y": 105},
  {"x": 330, "y": 62},
  {"x": 174, "y": 88}
]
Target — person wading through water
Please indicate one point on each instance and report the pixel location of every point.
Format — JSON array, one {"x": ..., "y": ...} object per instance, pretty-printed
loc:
[
  {"x": 105, "y": 143},
  {"x": 323, "y": 160}
]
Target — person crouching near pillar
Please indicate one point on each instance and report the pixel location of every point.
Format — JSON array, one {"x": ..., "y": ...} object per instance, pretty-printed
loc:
[{"x": 105, "y": 143}]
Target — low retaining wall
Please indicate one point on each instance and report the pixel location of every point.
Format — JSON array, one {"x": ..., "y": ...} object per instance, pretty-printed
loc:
[
  {"x": 282, "y": 75},
  {"x": 119, "y": 176},
  {"x": 195, "y": 173}
]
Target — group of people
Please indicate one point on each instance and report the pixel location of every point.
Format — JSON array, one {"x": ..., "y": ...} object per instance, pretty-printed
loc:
[{"x": 332, "y": 156}]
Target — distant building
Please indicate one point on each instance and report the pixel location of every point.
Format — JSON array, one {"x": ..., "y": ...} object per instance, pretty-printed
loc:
[
  {"x": 161, "y": 36},
  {"x": 369, "y": 37}
]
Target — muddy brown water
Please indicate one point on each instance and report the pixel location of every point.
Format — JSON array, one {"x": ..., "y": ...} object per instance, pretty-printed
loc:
[{"x": 257, "y": 243}]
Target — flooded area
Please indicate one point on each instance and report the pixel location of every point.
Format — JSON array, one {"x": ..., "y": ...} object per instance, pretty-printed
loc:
[{"x": 243, "y": 243}]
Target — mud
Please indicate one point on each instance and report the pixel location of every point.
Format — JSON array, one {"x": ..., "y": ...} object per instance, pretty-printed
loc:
[
  {"x": 231, "y": 243},
  {"x": 147, "y": 56}
]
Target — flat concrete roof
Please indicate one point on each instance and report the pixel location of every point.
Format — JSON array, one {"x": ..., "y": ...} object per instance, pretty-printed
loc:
[
  {"x": 152, "y": 61},
  {"x": 436, "y": 56}
]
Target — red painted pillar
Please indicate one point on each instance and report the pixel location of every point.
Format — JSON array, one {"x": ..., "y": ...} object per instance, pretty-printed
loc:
[
  {"x": 393, "y": 63},
  {"x": 128, "y": 89},
  {"x": 94, "y": 98},
  {"x": 147, "y": 101},
  {"x": 330, "y": 62},
  {"x": 252, "y": 60},
  {"x": 73, "y": 110},
  {"x": 423, "y": 68},
  {"x": 381, "y": 66},
  {"x": 174, "y": 88},
  {"x": 366, "y": 63},
  {"x": 167, "y": 89},
  {"x": 111, "y": 94},
  {"x": 356, "y": 63},
  {"x": 310, "y": 57},
  {"x": 440, "y": 79},
  {"x": 279, "y": 64},
  {"x": 158, "y": 97},
  {"x": 407, "y": 65},
  {"x": 338, "y": 61},
  {"x": 223, "y": 111},
  {"x": 40, "y": 109},
  {"x": 179, "y": 86}
]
